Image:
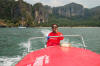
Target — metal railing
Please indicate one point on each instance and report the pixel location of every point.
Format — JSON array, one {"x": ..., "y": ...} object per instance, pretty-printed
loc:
[{"x": 32, "y": 38}]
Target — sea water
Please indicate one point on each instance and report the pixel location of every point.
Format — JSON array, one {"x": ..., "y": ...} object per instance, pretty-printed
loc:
[{"x": 14, "y": 41}]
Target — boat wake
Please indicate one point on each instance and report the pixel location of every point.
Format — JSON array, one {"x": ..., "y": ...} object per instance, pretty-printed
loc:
[
  {"x": 11, "y": 61},
  {"x": 6, "y": 61}
]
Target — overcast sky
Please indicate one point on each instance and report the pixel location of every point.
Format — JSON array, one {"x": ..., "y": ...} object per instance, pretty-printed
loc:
[{"x": 54, "y": 3}]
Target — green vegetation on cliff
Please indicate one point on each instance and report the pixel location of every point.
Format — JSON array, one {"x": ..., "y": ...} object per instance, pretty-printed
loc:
[{"x": 19, "y": 13}]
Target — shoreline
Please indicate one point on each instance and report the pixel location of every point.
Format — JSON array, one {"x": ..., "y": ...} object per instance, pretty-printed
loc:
[{"x": 49, "y": 27}]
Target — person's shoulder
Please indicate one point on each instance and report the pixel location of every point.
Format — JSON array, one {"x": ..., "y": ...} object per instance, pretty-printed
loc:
[
  {"x": 59, "y": 33},
  {"x": 50, "y": 33}
]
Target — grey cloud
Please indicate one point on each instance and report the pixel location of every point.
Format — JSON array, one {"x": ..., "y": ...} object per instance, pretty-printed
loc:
[{"x": 85, "y": 3}]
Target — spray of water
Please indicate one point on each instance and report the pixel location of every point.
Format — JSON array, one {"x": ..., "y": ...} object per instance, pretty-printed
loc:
[
  {"x": 25, "y": 46},
  {"x": 45, "y": 32},
  {"x": 5, "y": 61}
]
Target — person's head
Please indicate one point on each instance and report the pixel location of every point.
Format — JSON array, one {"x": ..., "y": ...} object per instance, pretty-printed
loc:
[{"x": 55, "y": 28}]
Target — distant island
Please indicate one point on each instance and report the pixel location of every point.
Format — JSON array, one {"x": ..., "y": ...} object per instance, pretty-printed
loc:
[{"x": 19, "y": 13}]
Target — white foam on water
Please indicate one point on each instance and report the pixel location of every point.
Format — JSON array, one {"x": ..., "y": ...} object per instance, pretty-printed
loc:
[
  {"x": 11, "y": 61},
  {"x": 45, "y": 32},
  {"x": 23, "y": 45},
  {"x": 5, "y": 61}
]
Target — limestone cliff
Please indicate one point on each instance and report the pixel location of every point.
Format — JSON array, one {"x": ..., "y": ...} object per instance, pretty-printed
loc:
[
  {"x": 69, "y": 10},
  {"x": 40, "y": 13}
]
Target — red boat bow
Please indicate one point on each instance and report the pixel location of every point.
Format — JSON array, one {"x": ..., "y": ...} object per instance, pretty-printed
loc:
[{"x": 61, "y": 56}]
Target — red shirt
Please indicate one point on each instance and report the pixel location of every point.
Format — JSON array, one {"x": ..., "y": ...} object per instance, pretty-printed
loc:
[{"x": 53, "y": 41}]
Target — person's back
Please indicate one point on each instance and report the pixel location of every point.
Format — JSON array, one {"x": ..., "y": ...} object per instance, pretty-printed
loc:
[{"x": 54, "y": 36}]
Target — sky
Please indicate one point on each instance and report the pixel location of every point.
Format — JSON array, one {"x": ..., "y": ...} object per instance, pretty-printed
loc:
[{"x": 55, "y": 3}]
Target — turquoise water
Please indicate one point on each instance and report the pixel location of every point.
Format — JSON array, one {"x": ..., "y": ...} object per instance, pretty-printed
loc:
[{"x": 14, "y": 41}]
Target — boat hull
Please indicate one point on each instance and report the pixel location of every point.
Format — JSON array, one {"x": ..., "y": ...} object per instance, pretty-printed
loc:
[{"x": 61, "y": 56}]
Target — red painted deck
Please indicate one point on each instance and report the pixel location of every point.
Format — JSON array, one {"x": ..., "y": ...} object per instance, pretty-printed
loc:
[{"x": 61, "y": 56}]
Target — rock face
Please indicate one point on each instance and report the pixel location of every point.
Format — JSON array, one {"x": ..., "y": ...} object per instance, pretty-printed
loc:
[
  {"x": 40, "y": 13},
  {"x": 22, "y": 11},
  {"x": 48, "y": 9},
  {"x": 69, "y": 10},
  {"x": 95, "y": 12}
]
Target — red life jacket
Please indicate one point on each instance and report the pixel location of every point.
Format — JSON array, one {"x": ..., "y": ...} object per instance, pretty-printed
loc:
[{"x": 53, "y": 41}]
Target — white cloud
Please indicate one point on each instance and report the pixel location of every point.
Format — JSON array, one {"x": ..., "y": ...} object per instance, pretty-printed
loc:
[
  {"x": 55, "y": 3},
  {"x": 86, "y": 3}
]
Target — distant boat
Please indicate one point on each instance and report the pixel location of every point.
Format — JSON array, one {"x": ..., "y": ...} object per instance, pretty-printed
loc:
[
  {"x": 21, "y": 27},
  {"x": 22, "y": 24}
]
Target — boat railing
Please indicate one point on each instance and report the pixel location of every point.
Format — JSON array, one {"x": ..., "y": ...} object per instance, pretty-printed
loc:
[{"x": 32, "y": 38}]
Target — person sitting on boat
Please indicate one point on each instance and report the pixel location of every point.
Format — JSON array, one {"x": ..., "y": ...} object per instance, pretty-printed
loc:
[{"x": 54, "y": 37}]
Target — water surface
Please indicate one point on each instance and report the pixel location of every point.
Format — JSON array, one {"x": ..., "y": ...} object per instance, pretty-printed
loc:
[{"x": 14, "y": 41}]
